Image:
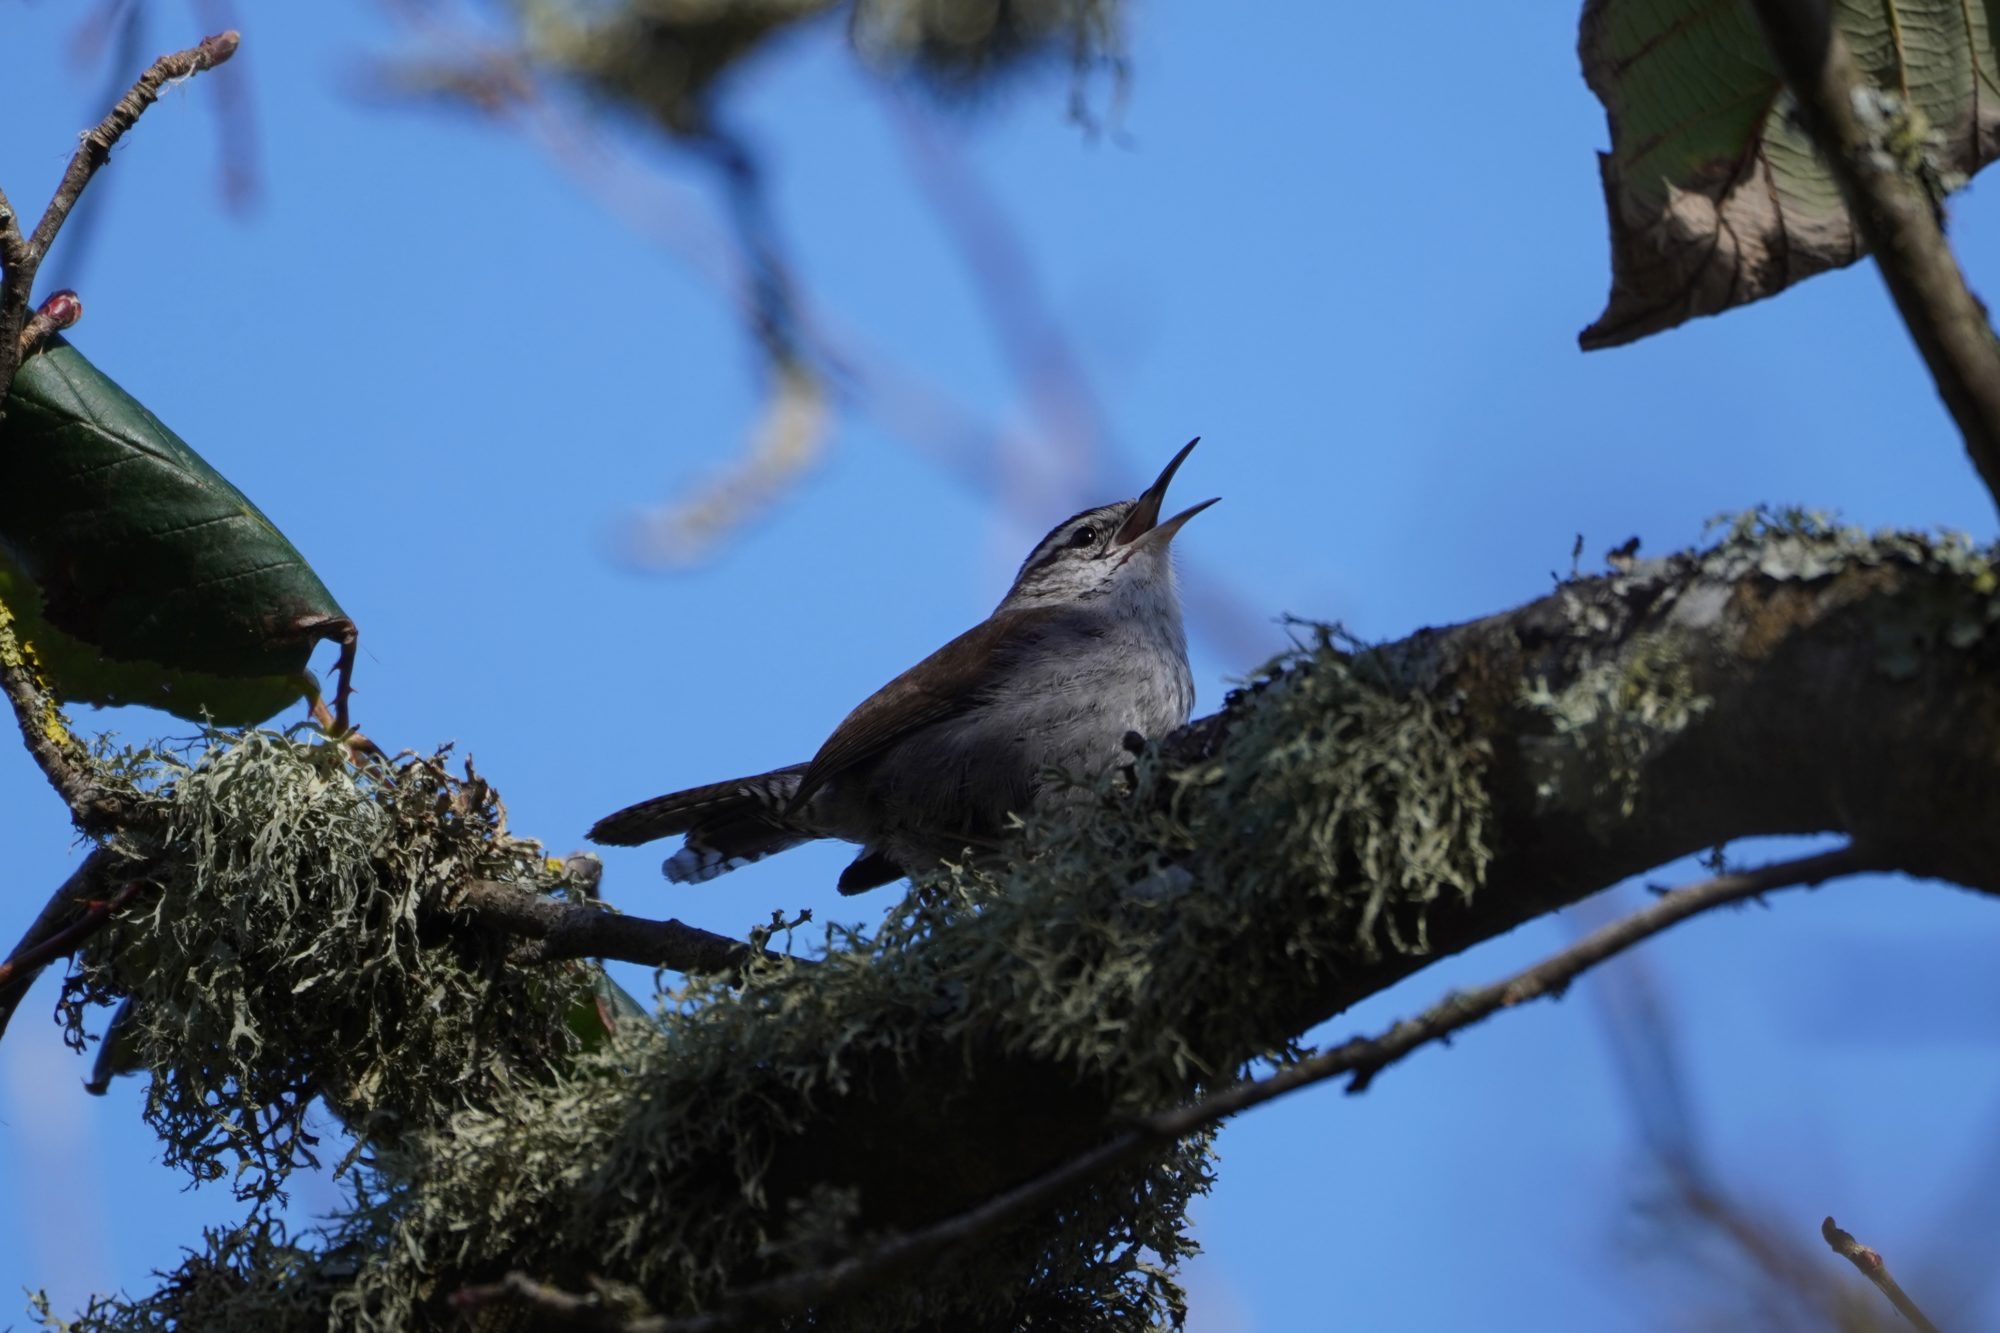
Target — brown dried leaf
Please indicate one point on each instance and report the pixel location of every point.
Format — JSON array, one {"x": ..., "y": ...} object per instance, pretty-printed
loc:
[{"x": 1715, "y": 195}]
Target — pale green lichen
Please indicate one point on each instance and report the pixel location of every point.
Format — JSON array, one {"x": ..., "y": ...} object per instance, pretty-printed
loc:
[
  {"x": 1626, "y": 694},
  {"x": 1958, "y": 611},
  {"x": 1122, "y": 944},
  {"x": 1118, "y": 942},
  {"x": 1607, "y": 723},
  {"x": 282, "y": 955}
]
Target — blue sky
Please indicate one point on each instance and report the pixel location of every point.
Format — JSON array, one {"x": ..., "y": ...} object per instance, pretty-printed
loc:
[{"x": 1349, "y": 246}]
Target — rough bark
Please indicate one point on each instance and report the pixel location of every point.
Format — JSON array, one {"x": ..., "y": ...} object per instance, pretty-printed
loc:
[
  {"x": 1791, "y": 679},
  {"x": 1841, "y": 686}
]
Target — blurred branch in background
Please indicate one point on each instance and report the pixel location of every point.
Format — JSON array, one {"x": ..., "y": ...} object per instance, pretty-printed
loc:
[
  {"x": 564, "y": 72},
  {"x": 1757, "y": 1264}
]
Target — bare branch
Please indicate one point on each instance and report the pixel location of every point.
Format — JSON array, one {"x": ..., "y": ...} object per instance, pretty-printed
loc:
[
  {"x": 1875, "y": 1270},
  {"x": 22, "y": 257},
  {"x": 1359, "y": 1059},
  {"x": 98, "y": 141},
  {"x": 1898, "y": 218},
  {"x": 587, "y": 930}
]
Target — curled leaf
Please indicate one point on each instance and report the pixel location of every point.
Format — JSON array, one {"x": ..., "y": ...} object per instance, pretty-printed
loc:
[{"x": 1715, "y": 193}]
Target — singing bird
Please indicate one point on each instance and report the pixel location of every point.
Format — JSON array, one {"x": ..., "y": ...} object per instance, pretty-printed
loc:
[{"x": 1085, "y": 648}]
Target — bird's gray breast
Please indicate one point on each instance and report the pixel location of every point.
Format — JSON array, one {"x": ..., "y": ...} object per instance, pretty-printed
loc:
[{"x": 1070, "y": 704}]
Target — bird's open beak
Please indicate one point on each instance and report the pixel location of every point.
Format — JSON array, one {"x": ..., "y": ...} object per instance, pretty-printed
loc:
[{"x": 1144, "y": 520}]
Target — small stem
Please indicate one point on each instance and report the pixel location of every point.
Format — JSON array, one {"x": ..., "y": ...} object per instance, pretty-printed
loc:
[
  {"x": 95, "y": 149},
  {"x": 21, "y": 256},
  {"x": 96, "y": 912},
  {"x": 1873, "y": 1268}
]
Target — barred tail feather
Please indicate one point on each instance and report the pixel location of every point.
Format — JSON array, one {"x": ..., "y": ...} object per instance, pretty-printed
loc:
[
  {"x": 682, "y": 811},
  {"x": 728, "y": 824},
  {"x": 719, "y": 849}
]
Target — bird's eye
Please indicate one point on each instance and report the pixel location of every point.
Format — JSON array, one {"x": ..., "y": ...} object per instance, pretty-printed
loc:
[{"x": 1083, "y": 536}]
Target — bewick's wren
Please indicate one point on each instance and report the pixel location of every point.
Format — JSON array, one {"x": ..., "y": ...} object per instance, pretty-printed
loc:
[{"x": 1085, "y": 648}]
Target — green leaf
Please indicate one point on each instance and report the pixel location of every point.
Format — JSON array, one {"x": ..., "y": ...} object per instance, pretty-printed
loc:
[
  {"x": 137, "y": 572},
  {"x": 1715, "y": 194}
]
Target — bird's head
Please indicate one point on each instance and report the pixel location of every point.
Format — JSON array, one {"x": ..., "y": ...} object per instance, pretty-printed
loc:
[{"x": 1114, "y": 550}]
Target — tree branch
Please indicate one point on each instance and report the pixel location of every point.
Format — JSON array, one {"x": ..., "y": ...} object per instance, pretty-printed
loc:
[
  {"x": 587, "y": 930},
  {"x": 98, "y": 141},
  {"x": 22, "y": 256},
  {"x": 1899, "y": 220},
  {"x": 1875, "y": 1270},
  {"x": 1804, "y": 682},
  {"x": 1359, "y": 1059}
]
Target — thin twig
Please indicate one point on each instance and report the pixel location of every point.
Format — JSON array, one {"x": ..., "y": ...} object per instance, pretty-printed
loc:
[
  {"x": 1898, "y": 218},
  {"x": 20, "y": 256},
  {"x": 18, "y": 263},
  {"x": 95, "y": 149},
  {"x": 587, "y": 930},
  {"x": 1695, "y": 1204},
  {"x": 1872, "y": 1267},
  {"x": 1359, "y": 1059}
]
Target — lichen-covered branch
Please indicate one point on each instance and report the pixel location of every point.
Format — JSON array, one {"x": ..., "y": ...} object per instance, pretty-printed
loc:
[
  {"x": 1360, "y": 1058},
  {"x": 1896, "y": 215},
  {"x": 45, "y": 731},
  {"x": 1350, "y": 816}
]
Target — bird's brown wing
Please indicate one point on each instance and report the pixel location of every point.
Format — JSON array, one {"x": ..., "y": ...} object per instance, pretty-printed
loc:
[{"x": 952, "y": 679}]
